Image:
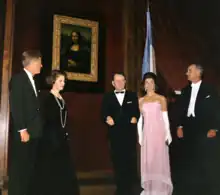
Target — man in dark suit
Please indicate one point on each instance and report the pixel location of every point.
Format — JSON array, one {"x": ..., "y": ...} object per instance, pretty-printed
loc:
[
  {"x": 27, "y": 124},
  {"x": 120, "y": 112},
  {"x": 198, "y": 130}
]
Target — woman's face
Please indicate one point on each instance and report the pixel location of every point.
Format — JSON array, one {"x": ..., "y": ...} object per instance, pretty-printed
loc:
[
  {"x": 75, "y": 37},
  {"x": 149, "y": 84},
  {"x": 59, "y": 83}
]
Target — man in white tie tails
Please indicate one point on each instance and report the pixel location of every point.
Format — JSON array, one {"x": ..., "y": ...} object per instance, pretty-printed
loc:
[{"x": 198, "y": 131}]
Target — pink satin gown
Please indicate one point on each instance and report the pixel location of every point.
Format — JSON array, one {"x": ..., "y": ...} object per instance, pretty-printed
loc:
[{"x": 155, "y": 166}]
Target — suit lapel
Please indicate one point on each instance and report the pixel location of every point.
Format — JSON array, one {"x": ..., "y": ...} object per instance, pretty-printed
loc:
[
  {"x": 114, "y": 98},
  {"x": 200, "y": 94},
  {"x": 125, "y": 99},
  {"x": 30, "y": 84},
  {"x": 188, "y": 95}
]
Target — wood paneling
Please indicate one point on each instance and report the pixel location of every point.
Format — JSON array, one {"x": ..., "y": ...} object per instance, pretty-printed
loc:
[{"x": 6, "y": 73}]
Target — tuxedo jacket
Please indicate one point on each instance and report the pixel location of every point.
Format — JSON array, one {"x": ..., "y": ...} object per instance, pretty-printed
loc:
[
  {"x": 121, "y": 114},
  {"x": 206, "y": 107},
  {"x": 24, "y": 106}
]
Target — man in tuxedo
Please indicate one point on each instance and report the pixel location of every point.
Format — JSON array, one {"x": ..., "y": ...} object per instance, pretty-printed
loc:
[
  {"x": 198, "y": 130},
  {"x": 27, "y": 124},
  {"x": 120, "y": 112}
]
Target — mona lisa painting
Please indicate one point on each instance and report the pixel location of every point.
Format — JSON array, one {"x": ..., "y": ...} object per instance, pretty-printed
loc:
[{"x": 75, "y": 48}]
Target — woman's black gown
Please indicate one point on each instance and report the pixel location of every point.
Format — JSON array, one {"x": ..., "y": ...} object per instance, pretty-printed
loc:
[{"x": 55, "y": 169}]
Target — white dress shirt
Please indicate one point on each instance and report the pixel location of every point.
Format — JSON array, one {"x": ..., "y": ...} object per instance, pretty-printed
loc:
[
  {"x": 30, "y": 76},
  {"x": 194, "y": 93},
  {"x": 120, "y": 96}
]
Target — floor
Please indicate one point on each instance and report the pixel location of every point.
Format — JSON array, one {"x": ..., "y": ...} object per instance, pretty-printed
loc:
[
  {"x": 93, "y": 183},
  {"x": 96, "y": 183}
]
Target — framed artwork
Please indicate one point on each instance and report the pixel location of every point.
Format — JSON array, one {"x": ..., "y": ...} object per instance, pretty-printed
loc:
[
  {"x": 75, "y": 47},
  {"x": 75, "y": 44}
]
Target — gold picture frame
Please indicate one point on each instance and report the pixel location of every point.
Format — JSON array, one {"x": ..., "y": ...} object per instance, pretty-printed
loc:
[{"x": 79, "y": 62}]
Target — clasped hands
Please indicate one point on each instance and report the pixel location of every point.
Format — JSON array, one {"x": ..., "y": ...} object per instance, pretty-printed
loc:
[
  {"x": 211, "y": 133},
  {"x": 110, "y": 121},
  {"x": 25, "y": 137}
]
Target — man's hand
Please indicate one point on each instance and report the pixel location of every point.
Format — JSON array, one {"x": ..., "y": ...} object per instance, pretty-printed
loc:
[
  {"x": 180, "y": 132},
  {"x": 110, "y": 121},
  {"x": 211, "y": 133},
  {"x": 133, "y": 120},
  {"x": 25, "y": 137}
]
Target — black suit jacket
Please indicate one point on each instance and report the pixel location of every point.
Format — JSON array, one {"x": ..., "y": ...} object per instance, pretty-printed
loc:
[
  {"x": 24, "y": 106},
  {"x": 206, "y": 107},
  {"x": 121, "y": 114}
]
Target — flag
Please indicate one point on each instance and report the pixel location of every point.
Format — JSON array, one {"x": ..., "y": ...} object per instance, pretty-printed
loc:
[{"x": 149, "y": 55}]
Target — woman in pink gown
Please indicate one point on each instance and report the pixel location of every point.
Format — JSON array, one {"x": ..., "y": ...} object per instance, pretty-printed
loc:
[{"x": 154, "y": 138}]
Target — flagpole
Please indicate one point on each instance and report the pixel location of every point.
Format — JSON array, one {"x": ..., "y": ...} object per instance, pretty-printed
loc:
[{"x": 148, "y": 5}]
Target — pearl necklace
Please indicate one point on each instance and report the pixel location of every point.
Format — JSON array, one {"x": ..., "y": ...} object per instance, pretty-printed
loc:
[{"x": 63, "y": 122}]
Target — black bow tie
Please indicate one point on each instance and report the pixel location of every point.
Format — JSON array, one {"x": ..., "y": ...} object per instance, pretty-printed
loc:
[{"x": 117, "y": 92}]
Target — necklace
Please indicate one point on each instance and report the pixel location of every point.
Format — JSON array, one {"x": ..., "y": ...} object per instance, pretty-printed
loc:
[{"x": 62, "y": 120}]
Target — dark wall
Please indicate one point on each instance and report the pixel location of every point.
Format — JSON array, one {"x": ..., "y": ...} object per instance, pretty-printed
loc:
[
  {"x": 177, "y": 43},
  {"x": 89, "y": 144},
  {"x": 185, "y": 32}
]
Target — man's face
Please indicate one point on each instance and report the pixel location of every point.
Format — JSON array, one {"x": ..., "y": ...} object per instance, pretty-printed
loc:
[
  {"x": 36, "y": 66},
  {"x": 119, "y": 82},
  {"x": 193, "y": 73}
]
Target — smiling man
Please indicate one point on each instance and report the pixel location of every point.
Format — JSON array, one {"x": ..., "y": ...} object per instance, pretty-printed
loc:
[{"x": 120, "y": 112}]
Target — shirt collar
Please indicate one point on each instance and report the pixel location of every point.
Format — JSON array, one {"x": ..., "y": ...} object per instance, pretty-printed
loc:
[
  {"x": 30, "y": 76},
  {"x": 196, "y": 84}
]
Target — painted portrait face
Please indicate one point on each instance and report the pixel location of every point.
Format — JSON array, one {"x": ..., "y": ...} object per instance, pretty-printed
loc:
[{"x": 75, "y": 37}]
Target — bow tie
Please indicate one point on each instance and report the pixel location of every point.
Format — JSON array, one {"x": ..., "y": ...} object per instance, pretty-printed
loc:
[{"x": 118, "y": 92}]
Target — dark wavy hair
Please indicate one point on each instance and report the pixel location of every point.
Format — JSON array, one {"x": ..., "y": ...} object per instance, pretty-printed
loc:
[
  {"x": 148, "y": 75},
  {"x": 51, "y": 79}
]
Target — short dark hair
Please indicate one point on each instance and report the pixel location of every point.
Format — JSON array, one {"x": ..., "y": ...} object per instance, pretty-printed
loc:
[
  {"x": 118, "y": 73},
  {"x": 29, "y": 55},
  {"x": 51, "y": 79}
]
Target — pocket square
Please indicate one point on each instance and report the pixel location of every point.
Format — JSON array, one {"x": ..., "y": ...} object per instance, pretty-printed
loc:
[
  {"x": 208, "y": 96},
  {"x": 129, "y": 102}
]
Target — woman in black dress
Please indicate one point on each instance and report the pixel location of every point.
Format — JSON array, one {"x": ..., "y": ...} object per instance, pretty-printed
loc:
[{"x": 57, "y": 174}]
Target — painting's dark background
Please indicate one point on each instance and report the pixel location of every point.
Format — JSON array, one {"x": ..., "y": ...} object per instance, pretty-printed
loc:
[{"x": 183, "y": 30}]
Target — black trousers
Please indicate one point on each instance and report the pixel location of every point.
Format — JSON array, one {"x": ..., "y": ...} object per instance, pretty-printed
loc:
[
  {"x": 199, "y": 165},
  {"x": 124, "y": 158},
  {"x": 22, "y": 167}
]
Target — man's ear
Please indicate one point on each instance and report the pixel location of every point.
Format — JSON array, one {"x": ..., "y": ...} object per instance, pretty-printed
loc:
[{"x": 113, "y": 84}]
